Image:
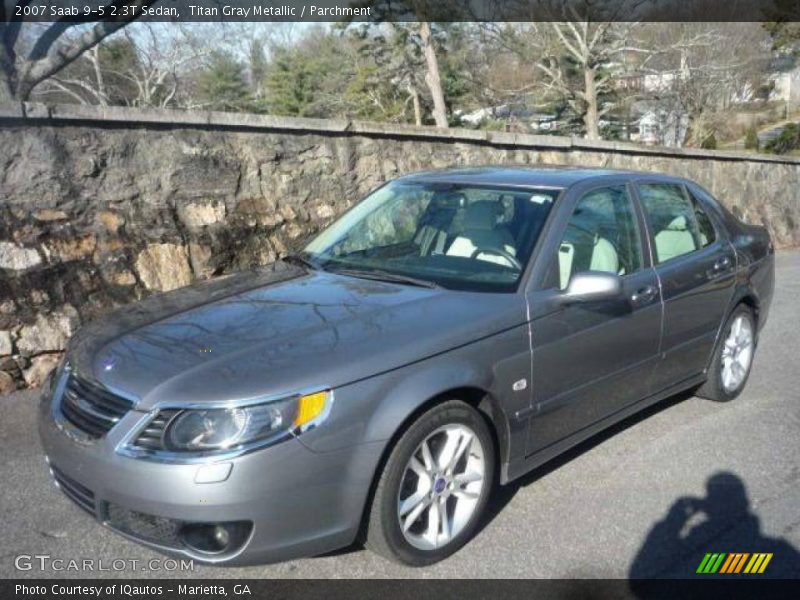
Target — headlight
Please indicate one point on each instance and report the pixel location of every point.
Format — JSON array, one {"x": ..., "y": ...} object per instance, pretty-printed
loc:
[
  {"x": 217, "y": 430},
  {"x": 212, "y": 429}
]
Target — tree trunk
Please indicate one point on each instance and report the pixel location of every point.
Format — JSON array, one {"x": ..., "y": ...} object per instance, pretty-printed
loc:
[
  {"x": 52, "y": 52},
  {"x": 432, "y": 76},
  {"x": 94, "y": 58},
  {"x": 7, "y": 70},
  {"x": 9, "y": 84},
  {"x": 590, "y": 119},
  {"x": 698, "y": 130},
  {"x": 417, "y": 107}
]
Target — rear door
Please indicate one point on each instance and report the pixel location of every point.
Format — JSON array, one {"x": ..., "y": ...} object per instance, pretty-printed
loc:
[
  {"x": 695, "y": 266},
  {"x": 592, "y": 359}
]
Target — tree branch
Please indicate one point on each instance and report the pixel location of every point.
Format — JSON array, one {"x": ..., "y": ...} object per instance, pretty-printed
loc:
[{"x": 35, "y": 70}]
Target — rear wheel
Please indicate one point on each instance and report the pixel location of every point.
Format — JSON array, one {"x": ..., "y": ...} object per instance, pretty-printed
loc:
[
  {"x": 733, "y": 357},
  {"x": 434, "y": 487}
]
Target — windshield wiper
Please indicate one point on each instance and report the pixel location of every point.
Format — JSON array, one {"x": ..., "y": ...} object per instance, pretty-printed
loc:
[
  {"x": 296, "y": 259},
  {"x": 380, "y": 275}
]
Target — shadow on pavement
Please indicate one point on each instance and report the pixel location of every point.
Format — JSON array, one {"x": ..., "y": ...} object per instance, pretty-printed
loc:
[{"x": 721, "y": 522}]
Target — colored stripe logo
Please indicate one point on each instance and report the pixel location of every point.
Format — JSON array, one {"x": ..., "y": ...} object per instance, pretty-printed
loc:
[{"x": 734, "y": 562}]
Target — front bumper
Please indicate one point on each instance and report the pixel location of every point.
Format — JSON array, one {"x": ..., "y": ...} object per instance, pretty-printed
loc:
[{"x": 300, "y": 502}]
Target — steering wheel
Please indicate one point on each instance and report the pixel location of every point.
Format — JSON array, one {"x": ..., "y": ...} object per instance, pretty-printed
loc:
[{"x": 501, "y": 253}]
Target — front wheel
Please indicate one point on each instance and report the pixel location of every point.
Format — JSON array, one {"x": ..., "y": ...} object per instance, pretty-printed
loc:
[
  {"x": 733, "y": 357},
  {"x": 434, "y": 486}
]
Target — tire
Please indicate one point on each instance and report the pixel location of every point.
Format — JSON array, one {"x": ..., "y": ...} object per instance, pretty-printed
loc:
[
  {"x": 459, "y": 494},
  {"x": 717, "y": 387}
]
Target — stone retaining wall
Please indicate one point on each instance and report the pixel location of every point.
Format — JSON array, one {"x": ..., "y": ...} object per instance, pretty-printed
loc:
[{"x": 99, "y": 207}]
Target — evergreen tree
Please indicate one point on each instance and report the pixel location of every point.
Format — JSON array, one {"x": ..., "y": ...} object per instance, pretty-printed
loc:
[
  {"x": 289, "y": 83},
  {"x": 710, "y": 142},
  {"x": 222, "y": 84},
  {"x": 788, "y": 140},
  {"x": 751, "y": 139}
]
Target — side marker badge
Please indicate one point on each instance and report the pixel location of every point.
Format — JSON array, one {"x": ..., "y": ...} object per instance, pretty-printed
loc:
[{"x": 520, "y": 385}]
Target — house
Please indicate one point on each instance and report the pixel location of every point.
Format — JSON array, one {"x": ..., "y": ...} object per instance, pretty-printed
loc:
[
  {"x": 786, "y": 87},
  {"x": 655, "y": 82},
  {"x": 657, "y": 126}
]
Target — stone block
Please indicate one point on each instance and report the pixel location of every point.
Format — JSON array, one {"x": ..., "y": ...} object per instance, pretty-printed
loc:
[{"x": 164, "y": 267}]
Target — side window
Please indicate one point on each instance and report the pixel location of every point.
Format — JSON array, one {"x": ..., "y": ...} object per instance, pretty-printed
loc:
[
  {"x": 672, "y": 216},
  {"x": 704, "y": 226},
  {"x": 602, "y": 235}
]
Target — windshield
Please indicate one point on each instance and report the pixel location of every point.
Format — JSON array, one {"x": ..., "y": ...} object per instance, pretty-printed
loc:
[{"x": 467, "y": 237}]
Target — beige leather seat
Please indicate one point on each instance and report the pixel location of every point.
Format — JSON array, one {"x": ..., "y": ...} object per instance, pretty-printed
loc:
[
  {"x": 675, "y": 239},
  {"x": 604, "y": 258},
  {"x": 439, "y": 222},
  {"x": 482, "y": 232}
]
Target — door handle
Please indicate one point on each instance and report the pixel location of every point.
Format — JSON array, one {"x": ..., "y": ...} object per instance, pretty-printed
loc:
[
  {"x": 723, "y": 264},
  {"x": 644, "y": 295}
]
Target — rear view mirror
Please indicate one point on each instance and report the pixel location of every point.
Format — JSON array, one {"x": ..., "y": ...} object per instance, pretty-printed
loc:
[{"x": 592, "y": 286}]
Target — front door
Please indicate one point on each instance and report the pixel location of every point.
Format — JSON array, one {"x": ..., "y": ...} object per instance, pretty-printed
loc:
[{"x": 592, "y": 359}]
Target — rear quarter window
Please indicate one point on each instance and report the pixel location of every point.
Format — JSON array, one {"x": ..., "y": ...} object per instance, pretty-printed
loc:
[{"x": 673, "y": 220}]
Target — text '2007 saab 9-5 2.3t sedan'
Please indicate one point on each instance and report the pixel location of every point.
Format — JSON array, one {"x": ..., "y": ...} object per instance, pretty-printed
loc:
[{"x": 453, "y": 330}]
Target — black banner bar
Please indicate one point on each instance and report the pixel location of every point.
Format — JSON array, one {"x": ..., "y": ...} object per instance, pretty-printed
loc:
[
  {"x": 731, "y": 587},
  {"x": 401, "y": 10}
]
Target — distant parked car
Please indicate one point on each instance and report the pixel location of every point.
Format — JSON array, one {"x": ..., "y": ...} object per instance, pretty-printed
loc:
[{"x": 453, "y": 330}]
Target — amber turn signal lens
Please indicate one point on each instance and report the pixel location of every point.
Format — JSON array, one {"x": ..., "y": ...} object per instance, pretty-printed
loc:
[{"x": 310, "y": 407}]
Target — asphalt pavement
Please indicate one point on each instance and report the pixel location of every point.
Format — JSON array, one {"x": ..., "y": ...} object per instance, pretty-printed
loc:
[{"x": 647, "y": 498}]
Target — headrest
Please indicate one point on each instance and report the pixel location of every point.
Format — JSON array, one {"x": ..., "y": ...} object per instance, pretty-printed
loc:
[
  {"x": 480, "y": 215},
  {"x": 677, "y": 224}
]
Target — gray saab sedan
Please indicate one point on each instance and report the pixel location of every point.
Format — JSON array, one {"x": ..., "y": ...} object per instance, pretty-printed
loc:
[{"x": 452, "y": 331}]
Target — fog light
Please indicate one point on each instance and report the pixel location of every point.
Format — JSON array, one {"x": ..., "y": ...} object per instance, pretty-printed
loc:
[
  {"x": 221, "y": 536},
  {"x": 216, "y": 538}
]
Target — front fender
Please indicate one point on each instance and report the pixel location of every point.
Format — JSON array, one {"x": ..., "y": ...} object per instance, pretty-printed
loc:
[
  {"x": 406, "y": 393},
  {"x": 373, "y": 410}
]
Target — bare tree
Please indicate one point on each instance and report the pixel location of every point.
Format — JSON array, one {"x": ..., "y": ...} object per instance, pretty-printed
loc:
[
  {"x": 54, "y": 47},
  {"x": 576, "y": 55},
  {"x": 397, "y": 50},
  {"x": 432, "y": 76},
  {"x": 576, "y": 62},
  {"x": 161, "y": 59},
  {"x": 89, "y": 90},
  {"x": 705, "y": 68},
  {"x": 425, "y": 11},
  {"x": 139, "y": 66}
]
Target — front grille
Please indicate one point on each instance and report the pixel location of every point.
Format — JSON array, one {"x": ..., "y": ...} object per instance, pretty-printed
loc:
[
  {"x": 91, "y": 408},
  {"x": 150, "y": 528},
  {"x": 79, "y": 494},
  {"x": 151, "y": 436}
]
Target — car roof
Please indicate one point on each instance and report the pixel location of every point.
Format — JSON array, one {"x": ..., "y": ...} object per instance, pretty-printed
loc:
[{"x": 552, "y": 177}]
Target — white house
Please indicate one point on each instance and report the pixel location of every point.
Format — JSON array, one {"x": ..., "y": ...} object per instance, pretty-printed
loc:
[
  {"x": 660, "y": 127},
  {"x": 787, "y": 87}
]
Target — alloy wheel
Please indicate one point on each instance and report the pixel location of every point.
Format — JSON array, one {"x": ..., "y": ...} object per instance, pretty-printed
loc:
[
  {"x": 737, "y": 353},
  {"x": 441, "y": 486}
]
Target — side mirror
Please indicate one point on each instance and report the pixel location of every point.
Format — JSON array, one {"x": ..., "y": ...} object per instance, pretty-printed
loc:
[{"x": 591, "y": 286}]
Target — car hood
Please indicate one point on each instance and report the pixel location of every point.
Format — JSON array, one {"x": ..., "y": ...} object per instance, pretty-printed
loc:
[{"x": 278, "y": 330}]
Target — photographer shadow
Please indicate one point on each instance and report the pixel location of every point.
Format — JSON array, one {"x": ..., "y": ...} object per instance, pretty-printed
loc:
[{"x": 721, "y": 522}]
